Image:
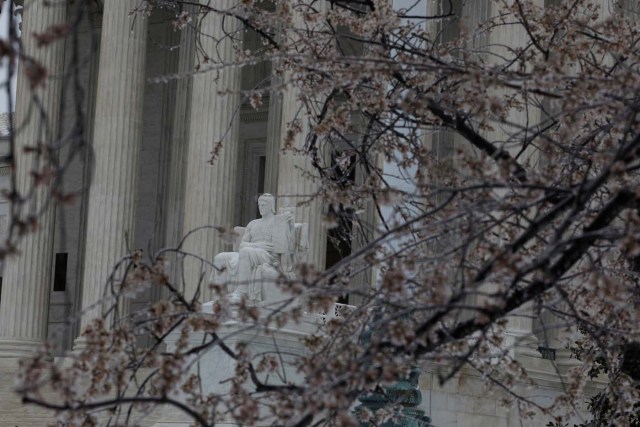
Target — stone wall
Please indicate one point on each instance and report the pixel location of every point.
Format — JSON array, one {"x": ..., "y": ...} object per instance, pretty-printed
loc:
[{"x": 467, "y": 401}]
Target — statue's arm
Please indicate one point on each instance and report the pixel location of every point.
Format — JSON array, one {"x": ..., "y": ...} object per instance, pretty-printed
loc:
[{"x": 246, "y": 238}]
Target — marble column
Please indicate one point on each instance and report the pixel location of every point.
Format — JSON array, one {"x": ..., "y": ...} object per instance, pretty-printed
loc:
[
  {"x": 180, "y": 131},
  {"x": 363, "y": 232},
  {"x": 274, "y": 134},
  {"x": 213, "y": 131},
  {"x": 27, "y": 277},
  {"x": 117, "y": 134},
  {"x": 520, "y": 339},
  {"x": 298, "y": 182}
]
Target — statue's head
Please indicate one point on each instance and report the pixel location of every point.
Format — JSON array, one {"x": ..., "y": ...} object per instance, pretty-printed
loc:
[{"x": 266, "y": 203}]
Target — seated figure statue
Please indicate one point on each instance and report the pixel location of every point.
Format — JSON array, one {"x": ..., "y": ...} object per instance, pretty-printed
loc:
[{"x": 268, "y": 247}]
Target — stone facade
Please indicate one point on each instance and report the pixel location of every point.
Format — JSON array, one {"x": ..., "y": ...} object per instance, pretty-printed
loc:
[{"x": 151, "y": 142}]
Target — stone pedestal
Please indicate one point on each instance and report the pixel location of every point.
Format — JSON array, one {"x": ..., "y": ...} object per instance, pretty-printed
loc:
[{"x": 214, "y": 366}]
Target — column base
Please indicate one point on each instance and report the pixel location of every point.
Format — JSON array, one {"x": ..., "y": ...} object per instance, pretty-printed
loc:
[
  {"x": 80, "y": 344},
  {"x": 522, "y": 345},
  {"x": 12, "y": 347}
]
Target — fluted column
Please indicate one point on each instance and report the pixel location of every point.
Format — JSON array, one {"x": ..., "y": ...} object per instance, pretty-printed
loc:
[
  {"x": 178, "y": 146},
  {"x": 298, "y": 181},
  {"x": 274, "y": 134},
  {"x": 117, "y": 135},
  {"x": 520, "y": 338},
  {"x": 213, "y": 129},
  {"x": 27, "y": 277}
]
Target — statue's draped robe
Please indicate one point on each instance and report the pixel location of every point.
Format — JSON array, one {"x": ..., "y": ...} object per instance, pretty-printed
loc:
[{"x": 253, "y": 261}]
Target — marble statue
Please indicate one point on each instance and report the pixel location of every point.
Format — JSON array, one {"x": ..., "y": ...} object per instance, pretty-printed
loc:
[{"x": 268, "y": 248}]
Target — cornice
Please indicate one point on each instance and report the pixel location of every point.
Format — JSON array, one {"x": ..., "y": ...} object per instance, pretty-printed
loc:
[{"x": 248, "y": 114}]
